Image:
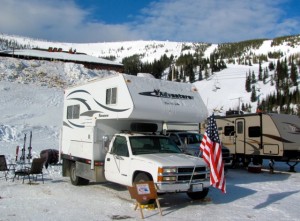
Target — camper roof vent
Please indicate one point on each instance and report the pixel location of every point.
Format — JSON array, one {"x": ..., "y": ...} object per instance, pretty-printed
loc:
[
  {"x": 143, "y": 127},
  {"x": 146, "y": 75}
]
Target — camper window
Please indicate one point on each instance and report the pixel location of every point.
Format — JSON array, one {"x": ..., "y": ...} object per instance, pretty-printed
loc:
[
  {"x": 254, "y": 131},
  {"x": 229, "y": 130},
  {"x": 111, "y": 95},
  {"x": 73, "y": 111}
]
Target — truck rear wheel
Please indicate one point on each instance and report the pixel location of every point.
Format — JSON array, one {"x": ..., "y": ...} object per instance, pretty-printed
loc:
[
  {"x": 198, "y": 195},
  {"x": 76, "y": 180}
]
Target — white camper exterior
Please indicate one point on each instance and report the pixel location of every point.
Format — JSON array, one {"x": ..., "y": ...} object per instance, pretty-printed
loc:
[
  {"x": 261, "y": 136},
  {"x": 102, "y": 114}
]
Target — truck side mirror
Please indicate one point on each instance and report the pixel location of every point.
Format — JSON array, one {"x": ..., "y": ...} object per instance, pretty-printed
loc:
[{"x": 105, "y": 143}]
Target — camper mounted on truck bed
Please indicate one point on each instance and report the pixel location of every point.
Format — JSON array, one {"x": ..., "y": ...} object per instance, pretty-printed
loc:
[
  {"x": 261, "y": 136},
  {"x": 112, "y": 132}
]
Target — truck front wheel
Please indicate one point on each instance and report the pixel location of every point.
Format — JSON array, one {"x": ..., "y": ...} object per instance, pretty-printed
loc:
[
  {"x": 76, "y": 180},
  {"x": 198, "y": 195}
]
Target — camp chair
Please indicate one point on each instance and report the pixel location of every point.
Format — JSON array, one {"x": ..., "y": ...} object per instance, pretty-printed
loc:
[
  {"x": 35, "y": 169},
  {"x": 3, "y": 166}
]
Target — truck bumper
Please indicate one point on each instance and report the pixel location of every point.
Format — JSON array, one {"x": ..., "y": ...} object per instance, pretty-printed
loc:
[{"x": 181, "y": 187}]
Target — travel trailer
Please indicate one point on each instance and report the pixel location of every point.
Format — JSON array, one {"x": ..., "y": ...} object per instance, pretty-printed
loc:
[
  {"x": 261, "y": 136},
  {"x": 112, "y": 132}
]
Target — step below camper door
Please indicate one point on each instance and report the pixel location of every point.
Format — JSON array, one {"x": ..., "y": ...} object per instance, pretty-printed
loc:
[{"x": 240, "y": 135}]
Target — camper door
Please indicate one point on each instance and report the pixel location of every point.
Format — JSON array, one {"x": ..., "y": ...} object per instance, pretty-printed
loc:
[{"x": 240, "y": 135}]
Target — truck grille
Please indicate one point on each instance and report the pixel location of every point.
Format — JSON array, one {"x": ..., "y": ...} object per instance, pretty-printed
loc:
[
  {"x": 185, "y": 173},
  {"x": 190, "y": 169}
]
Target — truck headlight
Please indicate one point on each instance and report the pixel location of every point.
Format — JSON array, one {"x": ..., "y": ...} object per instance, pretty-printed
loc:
[
  {"x": 166, "y": 178},
  {"x": 167, "y": 170}
]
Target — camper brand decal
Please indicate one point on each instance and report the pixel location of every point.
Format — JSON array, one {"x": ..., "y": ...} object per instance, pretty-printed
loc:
[
  {"x": 103, "y": 115},
  {"x": 158, "y": 93}
]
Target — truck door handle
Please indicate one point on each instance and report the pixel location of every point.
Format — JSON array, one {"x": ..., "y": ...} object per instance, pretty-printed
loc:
[
  {"x": 119, "y": 157},
  {"x": 108, "y": 159}
]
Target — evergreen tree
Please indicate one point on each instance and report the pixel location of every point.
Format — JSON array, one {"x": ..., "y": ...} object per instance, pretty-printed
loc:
[
  {"x": 271, "y": 66},
  {"x": 132, "y": 64},
  {"x": 248, "y": 83},
  {"x": 253, "y": 79},
  {"x": 181, "y": 74},
  {"x": 265, "y": 75},
  {"x": 294, "y": 74},
  {"x": 200, "y": 76},
  {"x": 260, "y": 72},
  {"x": 253, "y": 94},
  {"x": 206, "y": 73},
  {"x": 170, "y": 74}
]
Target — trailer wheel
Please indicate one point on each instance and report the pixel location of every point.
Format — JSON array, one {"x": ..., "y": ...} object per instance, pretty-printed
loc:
[
  {"x": 142, "y": 177},
  {"x": 198, "y": 195},
  {"x": 76, "y": 180}
]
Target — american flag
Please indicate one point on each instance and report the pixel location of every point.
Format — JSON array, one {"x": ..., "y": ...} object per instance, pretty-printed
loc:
[{"x": 212, "y": 155}]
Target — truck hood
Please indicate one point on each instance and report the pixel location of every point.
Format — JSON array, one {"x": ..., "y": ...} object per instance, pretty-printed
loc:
[{"x": 169, "y": 160}]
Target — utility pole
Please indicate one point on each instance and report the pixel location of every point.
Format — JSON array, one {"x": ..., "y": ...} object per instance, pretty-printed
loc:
[{"x": 239, "y": 102}]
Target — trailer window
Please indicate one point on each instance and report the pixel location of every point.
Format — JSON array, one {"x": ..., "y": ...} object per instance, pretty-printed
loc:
[
  {"x": 240, "y": 127},
  {"x": 73, "y": 111},
  {"x": 254, "y": 131},
  {"x": 111, "y": 95},
  {"x": 229, "y": 130}
]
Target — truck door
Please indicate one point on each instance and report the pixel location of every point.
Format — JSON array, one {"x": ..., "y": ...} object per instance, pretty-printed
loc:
[
  {"x": 240, "y": 135},
  {"x": 117, "y": 162}
]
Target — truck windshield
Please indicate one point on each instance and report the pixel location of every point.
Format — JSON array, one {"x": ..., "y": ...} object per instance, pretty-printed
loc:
[
  {"x": 191, "y": 138},
  {"x": 152, "y": 144}
]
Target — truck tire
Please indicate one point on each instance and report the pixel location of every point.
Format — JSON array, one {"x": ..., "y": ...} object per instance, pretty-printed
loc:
[
  {"x": 142, "y": 177},
  {"x": 198, "y": 195},
  {"x": 76, "y": 180}
]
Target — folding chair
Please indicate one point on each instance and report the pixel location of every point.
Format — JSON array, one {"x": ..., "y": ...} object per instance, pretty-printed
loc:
[
  {"x": 35, "y": 169},
  {"x": 3, "y": 166}
]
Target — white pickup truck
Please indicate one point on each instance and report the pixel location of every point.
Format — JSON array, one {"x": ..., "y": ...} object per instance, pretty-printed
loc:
[{"x": 135, "y": 157}]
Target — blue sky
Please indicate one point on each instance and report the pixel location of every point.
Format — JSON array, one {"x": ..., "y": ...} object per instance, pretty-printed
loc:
[{"x": 90, "y": 21}]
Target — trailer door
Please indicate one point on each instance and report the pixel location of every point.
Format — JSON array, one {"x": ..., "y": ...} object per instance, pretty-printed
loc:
[{"x": 240, "y": 135}]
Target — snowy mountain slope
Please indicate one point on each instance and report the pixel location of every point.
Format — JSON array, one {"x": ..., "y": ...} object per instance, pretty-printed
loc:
[
  {"x": 150, "y": 50},
  {"x": 226, "y": 89}
]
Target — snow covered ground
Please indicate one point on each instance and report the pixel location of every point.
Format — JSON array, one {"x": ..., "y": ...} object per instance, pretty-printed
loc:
[{"x": 249, "y": 196}]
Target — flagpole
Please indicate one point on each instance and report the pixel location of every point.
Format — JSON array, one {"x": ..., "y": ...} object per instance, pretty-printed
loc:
[{"x": 194, "y": 169}]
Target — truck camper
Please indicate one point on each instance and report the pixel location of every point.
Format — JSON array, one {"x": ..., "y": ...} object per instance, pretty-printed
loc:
[
  {"x": 112, "y": 132},
  {"x": 261, "y": 136}
]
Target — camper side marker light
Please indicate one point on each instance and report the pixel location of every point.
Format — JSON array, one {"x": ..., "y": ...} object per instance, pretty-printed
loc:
[
  {"x": 97, "y": 163},
  {"x": 128, "y": 81}
]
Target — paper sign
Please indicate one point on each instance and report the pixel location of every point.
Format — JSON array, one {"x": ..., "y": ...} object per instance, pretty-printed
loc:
[{"x": 143, "y": 189}]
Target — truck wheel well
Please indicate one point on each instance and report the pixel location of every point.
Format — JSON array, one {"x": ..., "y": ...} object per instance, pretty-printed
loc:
[{"x": 140, "y": 174}]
